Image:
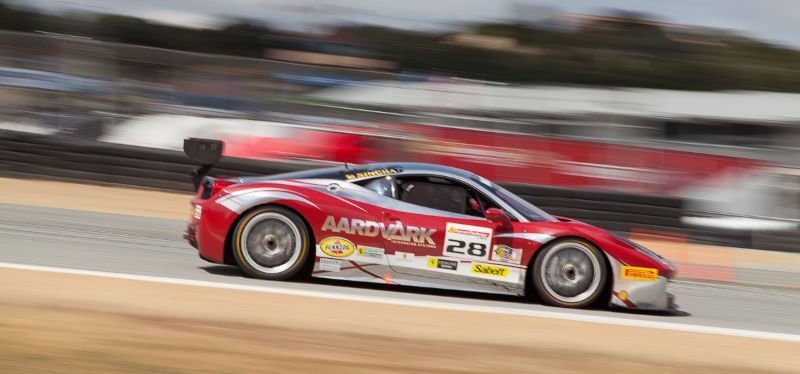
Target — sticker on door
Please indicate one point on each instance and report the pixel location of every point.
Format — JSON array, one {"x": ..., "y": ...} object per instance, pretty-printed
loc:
[{"x": 466, "y": 241}]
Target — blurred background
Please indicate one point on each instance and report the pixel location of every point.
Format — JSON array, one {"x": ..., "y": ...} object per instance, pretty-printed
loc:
[{"x": 677, "y": 118}]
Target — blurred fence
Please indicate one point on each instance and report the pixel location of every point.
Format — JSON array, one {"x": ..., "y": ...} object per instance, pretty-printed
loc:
[
  {"x": 77, "y": 75},
  {"x": 75, "y": 159},
  {"x": 25, "y": 154}
]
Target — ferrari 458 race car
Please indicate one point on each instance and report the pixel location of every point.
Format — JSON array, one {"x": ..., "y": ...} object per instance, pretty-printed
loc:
[{"x": 417, "y": 225}]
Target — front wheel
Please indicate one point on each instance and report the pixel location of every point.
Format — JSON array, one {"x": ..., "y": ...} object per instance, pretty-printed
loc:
[
  {"x": 569, "y": 273},
  {"x": 271, "y": 243}
]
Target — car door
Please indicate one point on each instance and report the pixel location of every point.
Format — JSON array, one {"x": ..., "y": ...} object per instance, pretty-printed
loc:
[{"x": 453, "y": 249}]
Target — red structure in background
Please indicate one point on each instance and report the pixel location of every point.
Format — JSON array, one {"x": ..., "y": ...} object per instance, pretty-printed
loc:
[
  {"x": 569, "y": 163},
  {"x": 497, "y": 156}
]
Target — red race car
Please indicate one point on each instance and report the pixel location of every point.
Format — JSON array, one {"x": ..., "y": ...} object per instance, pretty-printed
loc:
[{"x": 417, "y": 225}]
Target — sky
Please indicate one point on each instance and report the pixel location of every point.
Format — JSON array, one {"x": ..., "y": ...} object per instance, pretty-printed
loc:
[{"x": 776, "y": 21}]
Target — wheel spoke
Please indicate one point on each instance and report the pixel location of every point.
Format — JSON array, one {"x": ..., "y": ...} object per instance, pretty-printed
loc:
[
  {"x": 271, "y": 243},
  {"x": 570, "y": 272}
]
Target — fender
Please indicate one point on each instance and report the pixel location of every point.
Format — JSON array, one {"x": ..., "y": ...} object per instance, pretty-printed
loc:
[{"x": 241, "y": 200}]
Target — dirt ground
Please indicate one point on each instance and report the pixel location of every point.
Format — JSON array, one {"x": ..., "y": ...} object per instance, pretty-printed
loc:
[
  {"x": 63, "y": 323},
  {"x": 93, "y": 198}
]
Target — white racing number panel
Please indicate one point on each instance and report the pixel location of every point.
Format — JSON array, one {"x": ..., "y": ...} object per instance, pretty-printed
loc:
[{"x": 467, "y": 242}]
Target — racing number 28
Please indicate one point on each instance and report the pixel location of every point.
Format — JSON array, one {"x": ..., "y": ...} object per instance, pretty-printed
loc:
[{"x": 473, "y": 249}]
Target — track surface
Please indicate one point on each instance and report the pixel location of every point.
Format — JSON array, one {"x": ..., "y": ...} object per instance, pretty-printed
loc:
[{"x": 152, "y": 246}]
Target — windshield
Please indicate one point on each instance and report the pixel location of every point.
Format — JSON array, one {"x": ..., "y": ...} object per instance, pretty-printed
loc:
[{"x": 530, "y": 211}]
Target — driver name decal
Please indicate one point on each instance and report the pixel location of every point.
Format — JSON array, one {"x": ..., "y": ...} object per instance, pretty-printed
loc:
[
  {"x": 370, "y": 173},
  {"x": 395, "y": 232}
]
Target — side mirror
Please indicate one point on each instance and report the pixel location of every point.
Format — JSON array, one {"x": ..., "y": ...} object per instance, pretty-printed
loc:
[{"x": 498, "y": 216}]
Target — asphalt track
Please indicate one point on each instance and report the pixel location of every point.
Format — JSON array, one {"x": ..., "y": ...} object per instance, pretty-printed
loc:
[{"x": 153, "y": 247}]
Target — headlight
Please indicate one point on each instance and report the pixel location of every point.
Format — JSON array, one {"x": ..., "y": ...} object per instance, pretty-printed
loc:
[{"x": 640, "y": 248}]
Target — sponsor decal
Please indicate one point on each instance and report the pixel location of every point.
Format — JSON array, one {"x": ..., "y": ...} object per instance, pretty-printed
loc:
[
  {"x": 396, "y": 232},
  {"x": 469, "y": 231},
  {"x": 493, "y": 271},
  {"x": 329, "y": 264},
  {"x": 376, "y": 253},
  {"x": 370, "y": 173},
  {"x": 440, "y": 263},
  {"x": 504, "y": 253},
  {"x": 465, "y": 241},
  {"x": 404, "y": 256},
  {"x": 337, "y": 247},
  {"x": 645, "y": 274},
  {"x": 198, "y": 210}
]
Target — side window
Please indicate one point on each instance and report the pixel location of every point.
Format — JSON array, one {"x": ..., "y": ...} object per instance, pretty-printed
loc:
[
  {"x": 442, "y": 194},
  {"x": 436, "y": 195},
  {"x": 432, "y": 192},
  {"x": 386, "y": 186}
]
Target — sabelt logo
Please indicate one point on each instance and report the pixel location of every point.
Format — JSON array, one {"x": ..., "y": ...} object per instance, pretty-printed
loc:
[
  {"x": 646, "y": 274},
  {"x": 495, "y": 271},
  {"x": 337, "y": 247},
  {"x": 395, "y": 232}
]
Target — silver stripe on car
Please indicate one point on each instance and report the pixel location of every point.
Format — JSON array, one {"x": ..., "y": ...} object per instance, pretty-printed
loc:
[
  {"x": 258, "y": 196},
  {"x": 541, "y": 238}
]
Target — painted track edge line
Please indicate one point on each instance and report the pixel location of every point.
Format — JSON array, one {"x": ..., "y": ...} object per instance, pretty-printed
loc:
[{"x": 672, "y": 326}]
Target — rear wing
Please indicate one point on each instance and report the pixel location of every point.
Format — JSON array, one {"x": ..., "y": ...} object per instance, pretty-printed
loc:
[{"x": 206, "y": 153}]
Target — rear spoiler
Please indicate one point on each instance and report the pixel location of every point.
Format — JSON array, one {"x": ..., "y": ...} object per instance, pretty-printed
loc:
[{"x": 206, "y": 153}]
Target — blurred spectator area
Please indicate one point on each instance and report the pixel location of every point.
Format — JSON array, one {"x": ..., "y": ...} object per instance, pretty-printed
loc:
[
  {"x": 57, "y": 78},
  {"x": 327, "y": 51},
  {"x": 363, "y": 102}
]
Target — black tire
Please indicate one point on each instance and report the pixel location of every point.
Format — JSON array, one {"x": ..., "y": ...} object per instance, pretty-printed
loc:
[
  {"x": 569, "y": 283},
  {"x": 265, "y": 237}
]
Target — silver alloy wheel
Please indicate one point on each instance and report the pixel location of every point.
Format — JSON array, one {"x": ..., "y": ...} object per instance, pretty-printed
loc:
[
  {"x": 271, "y": 243},
  {"x": 570, "y": 272}
]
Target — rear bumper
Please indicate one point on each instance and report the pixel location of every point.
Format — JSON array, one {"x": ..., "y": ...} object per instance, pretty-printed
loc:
[
  {"x": 207, "y": 229},
  {"x": 190, "y": 235}
]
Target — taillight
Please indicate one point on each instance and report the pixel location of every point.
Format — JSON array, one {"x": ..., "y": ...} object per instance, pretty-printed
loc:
[{"x": 211, "y": 186}]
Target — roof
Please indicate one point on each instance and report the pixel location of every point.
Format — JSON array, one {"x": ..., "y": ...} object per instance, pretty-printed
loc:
[{"x": 365, "y": 171}]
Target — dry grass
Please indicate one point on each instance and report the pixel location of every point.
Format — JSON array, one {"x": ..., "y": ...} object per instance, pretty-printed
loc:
[{"x": 55, "y": 323}]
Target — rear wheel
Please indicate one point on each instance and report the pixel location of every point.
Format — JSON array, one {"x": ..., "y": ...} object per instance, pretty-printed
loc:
[
  {"x": 271, "y": 243},
  {"x": 570, "y": 273}
]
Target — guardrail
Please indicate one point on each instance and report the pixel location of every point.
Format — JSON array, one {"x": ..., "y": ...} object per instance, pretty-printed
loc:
[
  {"x": 25, "y": 154},
  {"x": 75, "y": 159}
]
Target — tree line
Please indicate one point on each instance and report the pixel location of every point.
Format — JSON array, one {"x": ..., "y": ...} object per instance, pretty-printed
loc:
[{"x": 623, "y": 50}]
